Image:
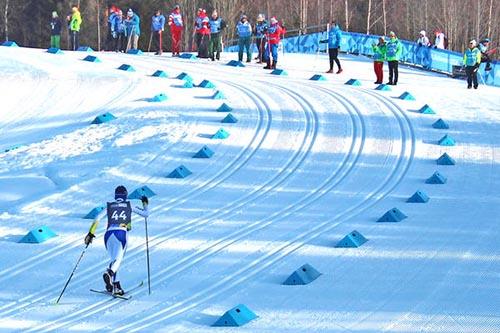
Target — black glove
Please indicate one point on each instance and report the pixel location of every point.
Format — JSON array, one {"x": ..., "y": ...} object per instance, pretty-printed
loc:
[
  {"x": 324, "y": 41},
  {"x": 419, "y": 44},
  {"x": 145, "y": 200},
  {"x": 89, "y": 238}
]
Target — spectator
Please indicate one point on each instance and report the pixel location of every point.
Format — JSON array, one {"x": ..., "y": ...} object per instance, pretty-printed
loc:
[
  {"x": 273, "y": 35},
  {"x": 260, "y": 31},
  {"x": 201, "y": 33},
  {"x": 55, "y": 31},
  {"x": 109, "y": 37},
  {"x": 132, "y": 30},
  {"x": 117, "y": 30},
  {"x": 157, "y": 28},
  {"x": 472, "y": 60},
  {"x": 423, "y": 40},
  {"x": 75, "y": 22},
  {"x": 440, "y": 40},
  {"x": 244, "y": 31},
  {"x": 485, "y": 53},
  {"x": 393, "y": 53},
  {"x": 379, "y": 52},
  {"x": 216, "y": 26},
  {"x": 176, "y": 26}
]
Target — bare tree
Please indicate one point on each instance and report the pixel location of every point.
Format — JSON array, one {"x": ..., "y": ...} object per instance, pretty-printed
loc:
[{"x": 6, "y": 19}]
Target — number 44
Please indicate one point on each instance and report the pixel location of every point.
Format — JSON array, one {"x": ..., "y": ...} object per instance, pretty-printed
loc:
[{"x": 122, "y": 215}]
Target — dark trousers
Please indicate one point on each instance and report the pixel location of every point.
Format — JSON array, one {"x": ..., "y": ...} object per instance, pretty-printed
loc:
[
  {"x": 203, "y": 46},
  {"x": 471, "y": 76},
  {"x": 393, "y": 71},
  {"x": 378, "y": 66},
  {"x": 261, "y": 46},
  {"x": 158, "y": 41},
  {"x": 334, "y": 53},
  {"x": 117, "y": 43},
  {"x": 74, "y": 40}
]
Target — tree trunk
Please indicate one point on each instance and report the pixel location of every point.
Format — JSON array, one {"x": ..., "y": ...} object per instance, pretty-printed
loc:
[
  {"x": 385, "y": 17},
  {"x": 6, "y": 19},
  {"x": 98, "y": 26},
  {"x": 346, "y": 15},
  {"x": 368, "y": 17},
  {"x": 331, "y": 11},
  {"x": 478, "y": 32},
  {"x": 489, "y": 18}
]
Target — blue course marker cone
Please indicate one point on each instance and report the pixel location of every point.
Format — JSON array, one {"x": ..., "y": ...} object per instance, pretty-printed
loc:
[
  {"x": 160, "y": 73},
  {"x": 218, "y": 95},
  {"x": 85, "y": 49},
  {"x": 38, "y": 235},
  {"x": 407, "y": 96},
  {"x": 204, "y": 152},
  {"x": 418, "y": 197},
  {"x": 237, "y": 316},
  {"x": 441, "y": 124},
  {"x": 229, "y": 119},
  {"x": 143, "y": 191},
  {"x": 280, "y": 72},
  {"x": 383, "y": 87},
  {"x": 318, "y": 77},
  {"x": 188, "y": 84},
  {"x": 353, "y": 82},
  {"x": 180, "y": 172},
  {"x": 188, "y": 56},
  {"x": 94, "y": 213},
  {"x": 90, "y": 58},
  {"x": 206, "y": 84},
  {"x": 392, "y": 215},
  {"x": 185, "y": 76},
  {"x": 235, "y": 63},
  {"x": 221, "y": 134},
  {"x": 436, "y": 178},
  {"x": 103, "y": 118},
  {"x": 159, "y": 98},
  {"x": 353, "y": 239},
  {"x": 446, "y": 141},
  {"x": 445, "y": 159},
  {"x": 224, "y": 108},
  {"x": 54, "y": 50},
  {"x": 135, "y": 52},
  {"x": 426, "y": 109},
  {"x": 126, "y": 68},
  {"x": 11, "y": 148},
  {"x": 10, "y": 43},
  {"x": 303, "y": 275}
]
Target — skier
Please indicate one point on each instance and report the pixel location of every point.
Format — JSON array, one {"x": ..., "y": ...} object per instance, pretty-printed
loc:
[
  {"x": 133, "y": 30},
  {"x": 75, "y": 22},
  {"x": 260, "y": 29},
  {"x": 216, "y": 26},
  {"x": 202, "y": 33},
  {"x": 393, "y": 53},
  {"x": 273, "y": 36},
  {"x": 117, "y": 30},
  {"x": 379, "y": 51},
  {"x": 472, "y": 60},
  {"x": 485, "y": 53},
  {"x": 244, "y": 31},
  {"x": 119, "y": 214},
  {"x": 334, "y": 38},
  {"x": 55, "y": 31},
  {"x": 176, "y": 26},
  {"x": 157, "y": 28}
]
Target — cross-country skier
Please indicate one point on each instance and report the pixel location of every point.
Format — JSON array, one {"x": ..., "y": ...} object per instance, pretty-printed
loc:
[
  {"x": 176, "y": 26},
  {"x": 273, "y": 36},
  {"x": 119, "y": 214}
]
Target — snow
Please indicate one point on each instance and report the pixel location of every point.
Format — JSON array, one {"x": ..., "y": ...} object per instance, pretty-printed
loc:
[{"x": 307, "y": 163}]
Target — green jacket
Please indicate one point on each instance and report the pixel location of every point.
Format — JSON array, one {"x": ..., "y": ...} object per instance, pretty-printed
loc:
[
  {"x": 472, "y": 57},
  {"x": 76, "y": 21},
  {"x": 379, "y": 52},
  {"x": 393, "y": 49}
]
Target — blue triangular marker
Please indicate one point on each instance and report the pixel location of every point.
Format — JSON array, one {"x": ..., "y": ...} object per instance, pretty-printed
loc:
[
  {"x": 103, "y": 118},
  {"x": 230, "y": 119},
  {"x": 224, "y": 108},
  {"x": 440, "y": 124},
  {"x": 221, "y": 134},
  {"x": 237, "y": 316},
  {"x": 393, "y": 215},
  {"x": 353, "y": 82},
  {"x": 418, "y": 197},
  {"x": 353, "y": 239},
  {"x": 436, "y": 178},
  {"x": 94, "y": 213},
  {"x": 304, "y": 275},
  {"x": 180, "y": 172},
  {"x": 446, "y": 141},
  {"x": 38, "y": 235},
  {"x": 445, "y": 159},
  {"x": 204, "y": 152},
  {"x": 143, "y": 191},
  {"x": 160, "y": 73}
]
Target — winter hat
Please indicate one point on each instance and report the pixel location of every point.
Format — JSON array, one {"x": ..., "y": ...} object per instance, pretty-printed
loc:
[
  {"x": 130, "y": 12},
  {"x": 261, "y": 17},
  {"x": 214, "y": 12},
  {"x": 54, "y": 14},
  {"x": 473, "y": 42},
  {"x": 422, "y": 33},
  {"x": 74, "y": 9},
  {"x": 244, "y": 17},
  {"x": 177, "y": 7},
  {"x": 121, "y": 193},
  {"x": 274, "y": 20}
]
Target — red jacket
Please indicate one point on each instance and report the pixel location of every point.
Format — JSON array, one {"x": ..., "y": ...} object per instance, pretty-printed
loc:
[
  {"x": 274, "y": 33},
  {"x": 201, "y": 24}
]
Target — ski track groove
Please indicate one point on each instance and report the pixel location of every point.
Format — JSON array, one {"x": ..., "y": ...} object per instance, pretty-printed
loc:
[
  {"x": 76, "y": 241},
  {"x": 405, "y": 159},
  {"x": 230, "y": 239},
  {"x": 298, "y": 158}
]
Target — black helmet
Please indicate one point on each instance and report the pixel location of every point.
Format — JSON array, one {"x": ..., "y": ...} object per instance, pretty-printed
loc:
[{"x": 121, "y": 193}]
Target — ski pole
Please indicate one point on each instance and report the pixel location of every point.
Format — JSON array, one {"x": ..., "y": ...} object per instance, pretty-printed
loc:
[
  {"x": 150, "y": 40},
  {"x": 73, "y": 272},
  {"x": 147, "y": 254}
]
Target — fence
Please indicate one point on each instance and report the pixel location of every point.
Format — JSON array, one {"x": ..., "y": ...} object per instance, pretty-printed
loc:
[{"x": 357, "y": 43}]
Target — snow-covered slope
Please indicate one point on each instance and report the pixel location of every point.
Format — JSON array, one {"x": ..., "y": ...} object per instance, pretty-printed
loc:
[{"x": 307, "y": 163}]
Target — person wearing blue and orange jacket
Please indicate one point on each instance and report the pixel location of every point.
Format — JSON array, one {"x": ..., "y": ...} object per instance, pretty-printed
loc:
[
  {"x": 472, "y": 60},
  {"x": 176, "y": 26},
  {"x": 157, "y": 28},
  {"x": 273, "y": 37},
  {"x": 334, "y": 39}
]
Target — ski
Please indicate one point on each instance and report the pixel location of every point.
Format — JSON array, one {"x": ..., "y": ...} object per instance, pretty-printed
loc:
[{"x": 124, "y": 297}]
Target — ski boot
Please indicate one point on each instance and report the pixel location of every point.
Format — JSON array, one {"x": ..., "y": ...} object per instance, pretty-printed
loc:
[
  {"x": 117, "y": 289},
  {"x": 108, "y": 280},
  {"x": 274, "y": 64},
  {"x": 268, "y": 65}
]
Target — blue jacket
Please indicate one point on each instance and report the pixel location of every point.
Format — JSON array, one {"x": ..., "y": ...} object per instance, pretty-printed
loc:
[
  {"x": 133, "y": 26},
  {"x": 260, "y": 29},
  {"x": 334, "y": 37},
  {"x": 472, "y": 57},
  {"x": 157, "y": 23},
  {"x": 244, "y": 29},
  {"x": 216, "y": 25},
  {"x": 117, "y": 25}
]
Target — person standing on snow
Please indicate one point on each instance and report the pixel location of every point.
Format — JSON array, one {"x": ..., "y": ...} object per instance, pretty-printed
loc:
[
  {"x": 423, "y": 40},
  {"x": 244, "y": 31},
  {"x": 119, "y": 215},
  {"x": 485, "y": 56},
  {"x": 55, "y": 31},
  {"x": 176, "y": 26},
  {"x": 157, "y": 28},
  {"x": 379, "y": 51},
  {"x": 117, "y": 30},
  {"x": 216, "y": 26},
  {"x": 132, "y": 29},
  {"x": 260, "y": 31},
  {"x": 472, "y": 60},
  {"x": 273, "y": 36},
  {"x": 393, "y": 53},
  {"x": 334, "y": 38},
  {"x": 75, "y": 22},
  {"x": 202, "y": 33},
  {"x": 109, "y": 36},
  {"x": 422, "y": 53}
]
